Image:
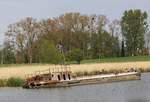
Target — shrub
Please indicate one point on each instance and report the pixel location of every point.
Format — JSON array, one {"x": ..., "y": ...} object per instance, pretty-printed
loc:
[
  {"x": 3, "y": 82},
  {"x": 75, "y": 55},
  {"x": 15, "y": 82},
  {"x": 48, "y": 53}
]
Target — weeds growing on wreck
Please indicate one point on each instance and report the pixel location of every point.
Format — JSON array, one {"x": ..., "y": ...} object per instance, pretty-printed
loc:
[{"x": 105, "y": 71}]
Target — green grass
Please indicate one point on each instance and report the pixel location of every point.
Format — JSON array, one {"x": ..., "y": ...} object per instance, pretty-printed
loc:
[
  {"x": 117, "y": 59},
  {"x": 14, "y": 82},
  {"x": 3, "y": 82},
  {"x": 19, "y": 65},
  {"x": 101, "y": 60}
]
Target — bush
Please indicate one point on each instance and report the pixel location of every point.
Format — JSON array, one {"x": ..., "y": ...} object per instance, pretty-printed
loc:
[
  {"x": 3, "y": 82},
  {"x": 48, "y": 53},
  {"x": 75, "y": 55},
  {"x": 15, "y": 82}
]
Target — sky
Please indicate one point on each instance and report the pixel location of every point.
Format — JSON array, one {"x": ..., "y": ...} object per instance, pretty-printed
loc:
[{"x": 12, "y": 11}]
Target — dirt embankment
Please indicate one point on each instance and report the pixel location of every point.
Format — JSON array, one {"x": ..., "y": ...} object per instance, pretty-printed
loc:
[{"x": 21, "y": 71}]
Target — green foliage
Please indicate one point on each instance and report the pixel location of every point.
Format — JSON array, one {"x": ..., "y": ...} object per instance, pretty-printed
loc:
[
  {"x": 134, "y": 26},
  {"x": 76, "y": 55},
  {"x": 92, "y": 36},
  {"x": 104, "y": 45},
  {"x": 7, "y": 55},
  {"x": 3, "y": 83},
  {"x": 48, "y": 52},
  {"x": 15, "y": 82},
  {"x": 118, "y": 59}
]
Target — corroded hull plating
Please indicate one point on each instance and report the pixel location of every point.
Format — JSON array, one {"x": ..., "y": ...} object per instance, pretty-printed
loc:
[{"x": 96, "y": 79}]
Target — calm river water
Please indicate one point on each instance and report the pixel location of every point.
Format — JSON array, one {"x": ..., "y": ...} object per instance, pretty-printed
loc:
[{"x": 130, "y": 91}]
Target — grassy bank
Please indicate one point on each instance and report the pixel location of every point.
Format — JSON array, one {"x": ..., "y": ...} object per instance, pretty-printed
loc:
[
  {"x": 117, "y": 59},
  {"x": 13, "y": 75},
  {"x": 11, "y": 82},
  {"x": 18, "y": 82},
  {"x": 86, "y": 66},
  {"x": 89, "y": 61},
  {"x": 21, "y": 71}
]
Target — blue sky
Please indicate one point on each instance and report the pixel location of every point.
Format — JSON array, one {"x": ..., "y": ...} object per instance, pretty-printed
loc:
[{"x": 14, "y": 10}]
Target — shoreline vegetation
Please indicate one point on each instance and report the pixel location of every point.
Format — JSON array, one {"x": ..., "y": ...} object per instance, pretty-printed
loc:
[
  {"x": 89, "y": 61},
  {"x": 74, "y": 36},
  {"x": 18, "y": 82},
  {"x": 12, "y": 82},
  {"x": 13, "y": 75}
]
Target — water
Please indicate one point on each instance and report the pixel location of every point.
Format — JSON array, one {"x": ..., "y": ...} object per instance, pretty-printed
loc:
[{"x": 130, "y": 91}]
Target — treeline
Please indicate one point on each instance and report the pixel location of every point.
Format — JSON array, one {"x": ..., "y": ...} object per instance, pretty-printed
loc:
[{"x": 75, "y": 36}]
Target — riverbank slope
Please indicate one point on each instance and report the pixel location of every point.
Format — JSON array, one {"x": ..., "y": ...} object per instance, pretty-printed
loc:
[{"x": 22, "y": 70}]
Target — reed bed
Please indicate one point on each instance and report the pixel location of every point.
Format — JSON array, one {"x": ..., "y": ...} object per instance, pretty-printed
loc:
[
  {"x": 12, "y": 82},
  {"x": 83, "y": 69}
]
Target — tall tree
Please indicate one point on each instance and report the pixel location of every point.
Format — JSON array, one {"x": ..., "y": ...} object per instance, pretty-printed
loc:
[
  {"x": 115, "y": 28},
  {"x": 22, "y": 35},
  {"x": 115, "y": 32},
  {"x": 134, "y": 26},
  {"x": 72, "y": 24},
  {"x": 75, "y": 55},
  {"x": 8, "y": 56},
  {"x": 48, "y": 52},
  {"x": 103, "y": 44}
]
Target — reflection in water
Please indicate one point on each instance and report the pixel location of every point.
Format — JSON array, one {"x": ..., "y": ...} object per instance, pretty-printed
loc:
[{"x": 131, "y": 91}]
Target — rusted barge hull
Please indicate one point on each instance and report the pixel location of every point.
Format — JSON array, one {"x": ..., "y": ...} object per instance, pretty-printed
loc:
[
  {"x": 105, "y": 79},
  {"x": 96, "y": 79}
]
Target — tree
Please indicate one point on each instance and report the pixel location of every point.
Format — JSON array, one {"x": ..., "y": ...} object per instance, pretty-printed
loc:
[
  {"x": 22, "y": 35},
  {"x": 122, "y": 49},
  {"x": 115, "y": 32},
  {"x": 76, "y": 55},
  {"x": 81, "y": 36},
  {"x": 73, "y": 27},
  {"x": 134, "y": 26},
  {"x": 48, "y": 52},
  {"x": 96, "y": 35},
  {"x": 7, "y": 53},
  {"x": 114, "y": 28},
  {"x": 103, "y": 43}
]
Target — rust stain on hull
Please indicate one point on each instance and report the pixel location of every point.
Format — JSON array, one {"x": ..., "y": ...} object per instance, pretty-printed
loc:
[{"x": 65, "y": 78}]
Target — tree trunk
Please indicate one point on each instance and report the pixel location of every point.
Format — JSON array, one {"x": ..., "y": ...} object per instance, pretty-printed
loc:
[{"x": 122, "y": 50}]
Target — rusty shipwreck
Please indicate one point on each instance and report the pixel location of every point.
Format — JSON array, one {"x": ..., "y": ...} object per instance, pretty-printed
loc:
[{"x": 63, "y": 77}]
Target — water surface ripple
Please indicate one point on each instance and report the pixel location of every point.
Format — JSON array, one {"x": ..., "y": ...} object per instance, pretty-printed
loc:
[{"x": 129, "y": 91}]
